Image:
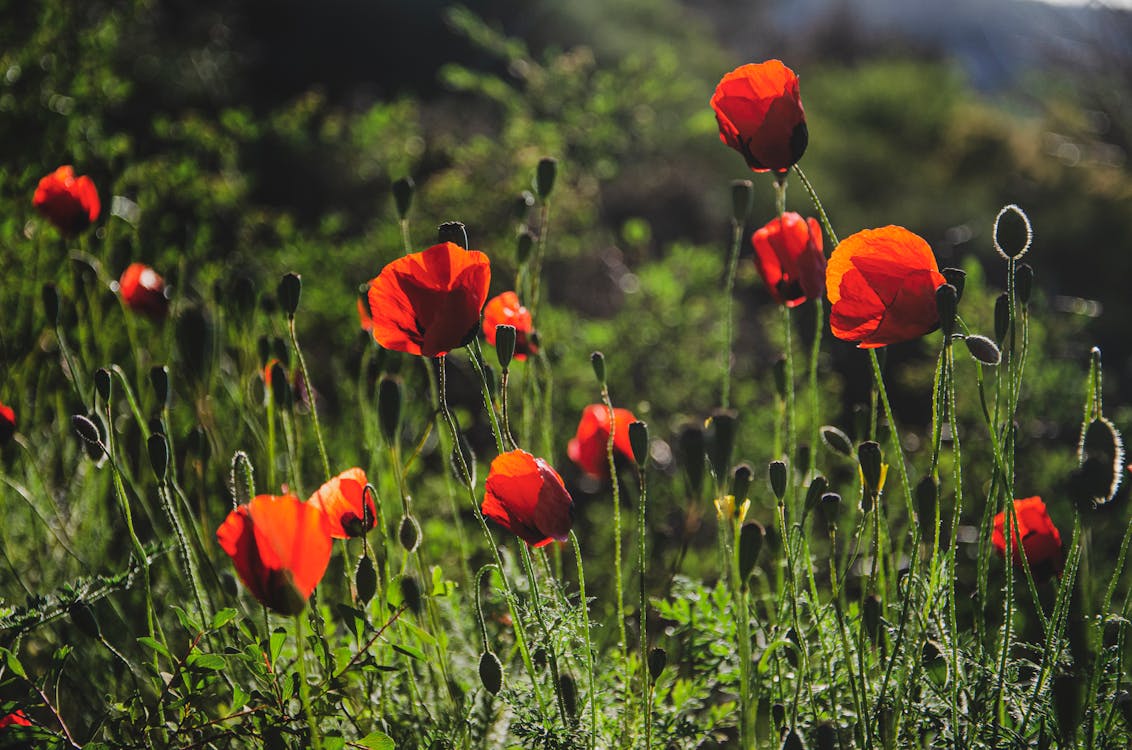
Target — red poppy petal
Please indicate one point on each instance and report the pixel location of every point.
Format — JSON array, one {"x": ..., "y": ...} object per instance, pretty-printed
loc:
[{"x": 237, "y": 539}]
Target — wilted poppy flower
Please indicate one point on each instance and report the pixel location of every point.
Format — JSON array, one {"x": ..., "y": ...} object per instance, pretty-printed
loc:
[
  {"x": 69, "y": 202},
  {"x": 1040, "y": 538},
  {"x": 7, "y": 423},
  {"x": 525, "y": 495},
  {"x": 506, "y": 310},
  {"x": 788, "y": 254},
  {"x": 143, "y": 290},
  {"x": 588, "y": 447},
  {"x": 280, "y": 546},
  {"x": 344, "y": 501},
  {"x": 881, "y": 284},
  {"x": 760, "y": 115},
  {"x": 15, "y": 719},
  {"x": 429, "y": 302}
]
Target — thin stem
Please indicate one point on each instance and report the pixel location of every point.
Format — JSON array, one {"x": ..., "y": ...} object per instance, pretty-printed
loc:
[
  {"x": 817, "y": 204},
  {"x": 618, "y": 585},
  {"x": 304, "y": 688},
  {"x": 589, "y": 645},
  {"x": 310, "y": 396},
  {"x": 642, "y": 566},
  {"x": 476, "y": 355},
  {"x": 551, "y": 652},
  {"x": 728, "y": 292}
]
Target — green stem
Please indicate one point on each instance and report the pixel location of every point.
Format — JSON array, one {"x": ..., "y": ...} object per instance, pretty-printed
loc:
[
  {"x": 304, "y": 688},
  {"x": 310, "y": 396},
  {"x": 589, "y": 645},
  {"x": 817, "y": 204},
  {"x": 728, "y": 291},
  {"x": 642, "y": 566},
  {"x": 476, "y": 355},
  {"x": 551, "y": 652},
  {"x": 618, "y": 585}
]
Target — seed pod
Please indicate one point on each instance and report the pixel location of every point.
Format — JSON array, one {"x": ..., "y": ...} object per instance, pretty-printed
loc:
[
  {"x": 777, "y": 472},
  {"x": 491, "y": 672},
  {"x": 836, "y": 440},
  {"x": 280, "y": 385},
  {"x": 869, "y": 459},
  {"x": 597, "y": 361},
  {"x": 545, "y": 175},
  {"x": 742, "y": 196},
  {"x": 453, "y": 231},
  {"x": 947, "y": 303},
  {"x": 1023, "y": 283},
  {"x": 505, "y": 337},
  {"x": 159, "y": 381},
  {"x": 409, "y": 533},
  {"x": 83, "y": 618},
  {"x": 365, "y": 579},
  {"x": 389, "y": 407},
  {"x": 828, "y": 509},
  {"x": 657, "y": 658},
  {"x": 290, "y": 288},
  {"x": 741, "y": 482},
  {"x": 102, "y": 383},
  {"x": 639, "y": 442},
  {"x": 778, "y": 716},
  {"x": 1001, "y": 317},
  {"x": 569, "y": 691},
  {"x": 691, "y": 443},
  {"x": 721, "y": 440},
  {"x": 814, "y": 493},
  {"x": 158, "y": 448},
  {"x": 403, "y": 196},
  {"x": 984, "y": 350},
  {"x": 751, "y": 537},
  {"x": 410, "y": 593},
  {"x": 957, "y": 278}
]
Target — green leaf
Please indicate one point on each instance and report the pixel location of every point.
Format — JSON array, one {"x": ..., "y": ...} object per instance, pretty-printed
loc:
[
  {"x": 212, "y": 662},
  {"x": 187, "y": 622},
  {"x": 223, "y": 617},
  {"x": 415, "y": 653},
  {"x": 376, "y": 741},
  {"x": 278, "y": 636},
  {"x": 14, "y": 665},
  {"x": 155, "y": 645}
]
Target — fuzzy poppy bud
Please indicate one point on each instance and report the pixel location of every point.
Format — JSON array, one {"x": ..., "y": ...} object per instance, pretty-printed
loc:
[
  {"x": 86, "y": 429},
  {"x": 1023, "y": 283},
  {"x": 454, "y": 232},
  {"x": 836, "y": 440},
  {"x": 721, "y": 440},
  {"x": 597, "y": 361},
  {"x": 1013, "y": 231},
  {"x": 926, "y": 500},
  {"x": 639, "y": 442},
  {"x": 49, "y": 295},
  {"x": 691, "y": 443},
  {"x": 409, "y": 533},
  {"x": 658, "y": 659},
  {"x": 777, "y": 472},
  {"x": 869, "y": 457},
  {"x": 1001, "y": 317},
  {"x": 505, "y": 338},
  {"x": 389, "y": 407},
  {"x": 242, "y": 479},
  {"x": 545, "y": 174},
  {"x": 780, "y": 377},
  {"x": 741, "y": 482},
  {"x": 569, "y": 690},
  {"x": 1101, "y": 454},
  {"x": 290, "y": 288},
  {"x": 742, "y": 196},
  {"x": 365, "y": 579},
  {"x": 957, "y": 278},
  {"x": 410, "y": 593},
  {"x": 526, "y": 243},
  {"x": 947, "y": 303},
  {"x": 159, "y": 381},
  {"x": 403, "y": 196},
  {"x": 491, "y": 672},
  {"x": 102, "y": 383},
  {"x": 751, "y": 537},
  {"x": 983, "y": 349},
  {"x": 814, "y": 493},
  {"x": 521, "y": 207},
  {"x": 83, "y": 617},
  {"x": 158, "y": 448}
]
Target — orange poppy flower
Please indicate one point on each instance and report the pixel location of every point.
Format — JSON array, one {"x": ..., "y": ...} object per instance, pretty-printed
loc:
[
  {"x": 760, "y": 115},
  {"x": 429, "y": 302},
  {"x": 506, "y": 310},
  {"x": 788, "y": 254},
  {"x": 525, "y": 495},
  {"x": 344, "y": 501},
  {"x": 588, "y": 447},
  {"x": 7, "y": 423},
  {"x": 143, "y": 291},
  {"x": 881, "y": 284},
  {"x": 15, "y": 719},
  {"x": 69, "y": 202},
  {"x": 280, "y": 547},
  {"x": 1040, "y": 538}
]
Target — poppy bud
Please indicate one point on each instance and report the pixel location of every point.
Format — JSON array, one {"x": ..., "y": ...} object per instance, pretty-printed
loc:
[
  {"x": 1001, "y": 317},
  {"x": 389, "y": 407},
  {"x": 957, "y": 278},
  {"x": 751, "y": 537},
  {"x": 742, "y": 196},
  {"x": 983, "y": 349},
  {"x": 365, "y": 579},
  {"x": 1067, "y": 705},
  {"x": 836, "y": 440},
  {"x": 454, "y": 232},
  {"x": 83, "y": 618},
  {"x": 280, "y": 387},
  {"x": 869, "y": 458},
  {"x": 50, "y": 297},
  {"x": 639, "y": 442},
  {"x": 526, "y": 243},
  {"x": 409, "y": 533},
  {"x": 242, "y": 479},
  {"x": 741, "y": 481},
  {"x": 86, "y": 429},
  {"x": 569, "y": 689},
  {"x": 721, "y": 440},
  {"x": 793, "y": 741},
  {"x": 491, "y": 672},
  {"x": 778, "y": 716},
  {"x": 658, "y": 659},
  {"x": 825, "y": 736},
  {"x": 947, "y": 304},
  {"x": 780, "y": 377},
  {"x": 597, "y": 361},
  {"x": 102, "y": 383},
  {"x": 410, "y": 593},
  {"x": 403, "y": 195},
  {"x": 828, "y": 508},
  {"x": 158, "y": 449},
  {"x": 777, "y": 472},
  {"x": 814, "y": 493},
  {"x": 522, "y": 205},
  {"x": 1101, "y": 451},
  {"x": 1023, "y": 282},
  {"x": 1016, "y": 230},
  {"x": 545, "y": 173},
  {"x": 505, "y": 337},
  {"x": 691, "y": 444},
  {"x": 926, "y": 499},
  {"x": 159, "y": 381},
  {"x": 290, "y": 287}
]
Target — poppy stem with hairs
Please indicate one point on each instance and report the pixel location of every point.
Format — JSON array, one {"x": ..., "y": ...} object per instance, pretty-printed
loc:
[
  {"x": 589, "y": 645},
  {"x": 551, "y": 652},
  {"x": 304, "y": 688},
  {"x": 729, "y": 323},
  {"x": 642, "y": 567},
  {"x": 817, "y": 204},
  {"x": 475, "y": 354},
  {"x": 895, "y": 444},
  {"x": 310, "y": 395}
]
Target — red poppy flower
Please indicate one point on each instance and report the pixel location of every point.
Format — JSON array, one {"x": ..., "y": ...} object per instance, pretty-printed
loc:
[
  {"x": 506, "y": 310},
  {"x": 760, "y": 115},
  {"x": 881, "y": 285},
  {"x": 344, "y": 501},
  {"x": 525, "y": 495},
  {"x": 788, "y": 254},
  {"x": 280, "y": 546},
  {"x": 143, "y": 290},
  {"x": 429, "y": 302},
  {"x": 15, "y": 719},
  {"x": 68, "y": 202},
  {"x": 588, "y": 447},
  {"x": 7, "y": 423},
  {"x": 1040, "y": 538}
]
